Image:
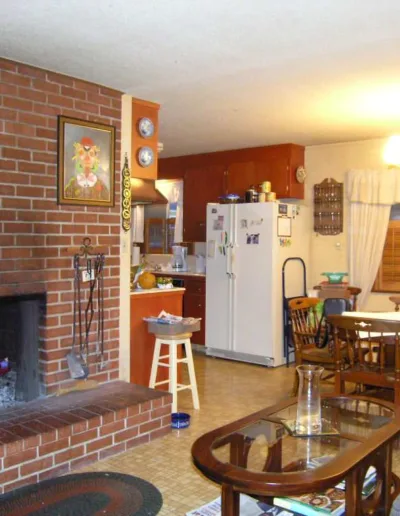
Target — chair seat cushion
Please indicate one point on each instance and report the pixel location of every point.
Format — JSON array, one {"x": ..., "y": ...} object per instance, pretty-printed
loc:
[{"x": 317, "y": 355}]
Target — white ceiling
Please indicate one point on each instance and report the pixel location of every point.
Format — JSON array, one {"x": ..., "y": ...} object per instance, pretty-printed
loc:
[{"x": 227, "y": 73}]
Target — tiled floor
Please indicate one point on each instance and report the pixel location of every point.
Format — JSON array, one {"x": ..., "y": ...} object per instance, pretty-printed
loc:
[{"x": 228, "y": 390}]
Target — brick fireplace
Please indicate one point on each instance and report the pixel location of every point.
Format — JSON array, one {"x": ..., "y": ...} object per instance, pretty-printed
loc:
[
  {"x": 34, "y": 231},
  {"x": 51, "y": 436}
]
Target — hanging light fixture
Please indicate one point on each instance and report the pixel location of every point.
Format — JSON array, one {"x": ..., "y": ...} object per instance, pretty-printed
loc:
[{"x": 391, "y": 153}]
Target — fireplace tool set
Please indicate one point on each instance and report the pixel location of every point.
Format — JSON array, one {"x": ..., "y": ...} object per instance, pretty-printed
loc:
[{"x": 88, "y": 268}]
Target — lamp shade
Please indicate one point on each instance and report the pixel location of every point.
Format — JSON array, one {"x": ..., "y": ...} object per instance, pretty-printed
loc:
[{"x": 391, "y": 154}]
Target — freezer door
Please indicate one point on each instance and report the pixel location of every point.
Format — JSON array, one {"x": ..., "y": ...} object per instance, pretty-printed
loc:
[
  {"x": 218, "y": 282},
  {"x": 253, "y": 307}
]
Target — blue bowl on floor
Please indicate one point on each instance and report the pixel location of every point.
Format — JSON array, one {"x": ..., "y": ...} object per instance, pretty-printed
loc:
[{"x": 180, "y": 420}]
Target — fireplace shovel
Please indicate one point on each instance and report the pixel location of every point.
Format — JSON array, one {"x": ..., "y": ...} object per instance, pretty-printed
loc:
[{"x": 78, "y": 368}]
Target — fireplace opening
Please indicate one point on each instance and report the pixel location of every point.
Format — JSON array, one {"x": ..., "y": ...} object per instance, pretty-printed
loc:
[{"x": 19, "y": 348}]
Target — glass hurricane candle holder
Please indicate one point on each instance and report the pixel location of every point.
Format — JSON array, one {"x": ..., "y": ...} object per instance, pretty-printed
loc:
[{"x": 308, "y": 421}]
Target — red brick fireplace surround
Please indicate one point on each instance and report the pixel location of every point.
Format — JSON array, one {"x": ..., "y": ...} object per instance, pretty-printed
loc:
[
  {"x": 49, "y": 437},
  {"x": 34, "y": 230}
]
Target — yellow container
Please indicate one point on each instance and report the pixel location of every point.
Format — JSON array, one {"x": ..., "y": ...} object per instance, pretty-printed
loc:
[
  {"x": 271, "y": 196},
  {"x": 262, "y": 197},
  {"x": 266, "y": 186}
]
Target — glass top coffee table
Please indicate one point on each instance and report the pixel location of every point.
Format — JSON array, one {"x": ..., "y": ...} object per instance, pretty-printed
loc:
[{"x": 258, "y": 455}]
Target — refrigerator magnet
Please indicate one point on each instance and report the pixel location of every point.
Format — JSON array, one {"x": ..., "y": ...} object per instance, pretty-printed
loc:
[
  {"x": 211, "y": 244},
  {"x": 284, "y": 227},
  {"x": 243, "y": 224},
  {"x": 282, "y": 208},
  {"x": 253, "y": 238},
  {"x": 218, "y": 224}
]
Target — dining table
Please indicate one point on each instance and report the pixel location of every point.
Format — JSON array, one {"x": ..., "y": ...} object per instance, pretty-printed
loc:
[{"x": 385, "y": 316}]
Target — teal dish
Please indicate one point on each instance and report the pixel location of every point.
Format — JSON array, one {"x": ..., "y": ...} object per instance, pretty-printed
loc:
[{"x": 335, "y": 277}]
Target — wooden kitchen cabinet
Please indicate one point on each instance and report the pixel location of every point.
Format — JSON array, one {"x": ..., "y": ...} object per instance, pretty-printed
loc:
[
  {"x": 154, "y": 236},
  {"x": 209, "y": 176},
  {"x": 278, "y": 166},
  {"x": 201, "y": 185},
  {"x": 240, "y": 176},
  {"x": 194, "y": 301},
  {"x": 194, "y": 305}
]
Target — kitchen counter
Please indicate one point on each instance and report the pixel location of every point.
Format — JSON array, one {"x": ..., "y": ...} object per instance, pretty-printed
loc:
[
  {"x": 147, "y": 291},
  {"x": 145, "y": 303},
  {"x": 180, "y": 273}
]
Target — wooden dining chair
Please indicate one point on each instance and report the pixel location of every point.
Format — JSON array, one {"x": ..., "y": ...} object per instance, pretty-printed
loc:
[
  {"x": 373, "y": 350},
  {"x": 305, "y": 322},
  {"x": 396, "y": 301}
]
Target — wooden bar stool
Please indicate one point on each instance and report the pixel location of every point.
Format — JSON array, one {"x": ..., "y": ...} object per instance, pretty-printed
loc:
[{"x": 173, "y": 341}]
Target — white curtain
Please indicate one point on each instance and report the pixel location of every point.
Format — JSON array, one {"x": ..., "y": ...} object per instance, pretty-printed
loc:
[{"x": 371, "y": 194}]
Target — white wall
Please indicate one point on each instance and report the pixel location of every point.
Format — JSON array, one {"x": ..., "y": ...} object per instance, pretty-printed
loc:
[
  {"x": 329, "y": 253},
  {"x": 125, "y": 257}
]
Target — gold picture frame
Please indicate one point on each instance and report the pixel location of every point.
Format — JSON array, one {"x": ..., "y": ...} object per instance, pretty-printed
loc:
[{"x": 86, "y": 163}]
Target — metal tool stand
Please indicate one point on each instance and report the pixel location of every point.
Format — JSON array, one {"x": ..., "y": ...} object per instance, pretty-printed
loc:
[
  {"x": 88, "y": 268},
  {"x": 288, "y": 345}
]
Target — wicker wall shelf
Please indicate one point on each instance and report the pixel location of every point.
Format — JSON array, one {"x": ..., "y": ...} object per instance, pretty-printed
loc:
[{"x": 328, "y": 207}]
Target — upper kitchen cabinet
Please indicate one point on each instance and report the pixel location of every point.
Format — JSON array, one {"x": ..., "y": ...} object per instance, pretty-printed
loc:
[
  {"x": 276, "y": 163},
  {"x": 279, "y": 167},
  {"x": 144, "y": 139},
  {"x": 209, "y": 176},
  {"x": 246, "y": 167},
  {"x": 201, "y": 185},
  {"x": 240, "y": 176}
]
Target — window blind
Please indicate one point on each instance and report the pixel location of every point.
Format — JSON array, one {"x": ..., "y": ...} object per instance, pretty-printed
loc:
[{"x": 388, "y": 277}]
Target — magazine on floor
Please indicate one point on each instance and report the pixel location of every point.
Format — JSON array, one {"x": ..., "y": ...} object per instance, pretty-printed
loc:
[
  {"x": 248, "y": 507},
  {"x": 330, "y": 502}
]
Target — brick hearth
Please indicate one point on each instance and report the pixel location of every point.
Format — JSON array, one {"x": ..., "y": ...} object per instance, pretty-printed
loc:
[{"x": 50, "y": 437}]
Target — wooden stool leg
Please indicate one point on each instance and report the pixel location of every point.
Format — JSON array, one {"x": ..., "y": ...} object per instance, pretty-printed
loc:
[
  {"x": 295, "y": 389},
  {"x": 173, "y": 375},
  {"x": 192, "y": 374},
  {"x": 154, "y": 365}
]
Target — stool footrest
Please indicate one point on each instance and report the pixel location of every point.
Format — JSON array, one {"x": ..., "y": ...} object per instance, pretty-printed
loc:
[
  {"x": 162, "y": 364},
  {"x": 161, "y": 383},
  {"x": 181, "y": 387}
]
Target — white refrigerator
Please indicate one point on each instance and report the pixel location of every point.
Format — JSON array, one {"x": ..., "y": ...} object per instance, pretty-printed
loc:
[{"x": 247, "y": 245}]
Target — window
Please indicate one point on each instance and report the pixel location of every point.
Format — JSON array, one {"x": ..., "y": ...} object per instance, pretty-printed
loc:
[{"x": 388, "y": 277}]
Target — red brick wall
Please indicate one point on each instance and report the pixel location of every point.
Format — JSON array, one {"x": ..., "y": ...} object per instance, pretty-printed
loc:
[{"x": 34, "y": 230}]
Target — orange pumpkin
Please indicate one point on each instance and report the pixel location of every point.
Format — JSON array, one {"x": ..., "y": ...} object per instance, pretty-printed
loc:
[{"x": 147, "y": 280}]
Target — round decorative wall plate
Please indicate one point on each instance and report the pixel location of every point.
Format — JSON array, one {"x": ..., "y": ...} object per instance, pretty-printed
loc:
[
  {"x": 301, "y": 174},
  {"x": 146, "y": 127},
  {"x": 145, "y": 156}
]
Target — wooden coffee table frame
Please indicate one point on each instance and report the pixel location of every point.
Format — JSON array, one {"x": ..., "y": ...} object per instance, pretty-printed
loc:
[{"x": 375, "y": 449}]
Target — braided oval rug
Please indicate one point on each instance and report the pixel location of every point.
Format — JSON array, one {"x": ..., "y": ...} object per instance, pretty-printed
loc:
[{"x": 84, "y": 494}]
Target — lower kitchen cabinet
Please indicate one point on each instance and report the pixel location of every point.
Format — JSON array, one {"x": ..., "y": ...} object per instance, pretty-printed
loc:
[
  {"x": 194, "y": 301},
  {"x": 194, "y": 305}
]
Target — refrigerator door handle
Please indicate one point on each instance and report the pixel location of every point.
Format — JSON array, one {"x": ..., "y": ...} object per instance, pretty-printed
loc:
[
  {"x": 233, "y": 260},
  {"x": 229, "y": 259}
]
